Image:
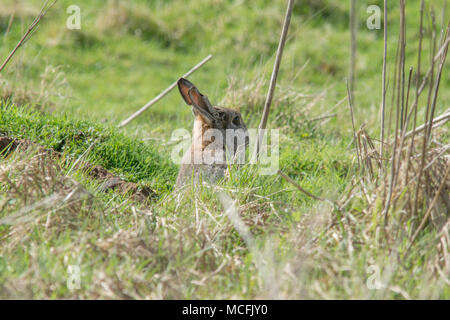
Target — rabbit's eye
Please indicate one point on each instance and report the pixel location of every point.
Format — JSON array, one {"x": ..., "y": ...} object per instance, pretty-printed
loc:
[{"x": 236, "y": 120}]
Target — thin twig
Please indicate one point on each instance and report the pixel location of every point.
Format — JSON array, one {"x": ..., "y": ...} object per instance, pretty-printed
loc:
[
  {"x": 402, "y": 60},
  {"x": 350, "y": 102},
  {"x": 438, "y": 82},
  {"x": 427, "y": 111},
  {"x": 164, "y": 93},
  {"x": 414, "y": 108},
  {"x": 273, "y": 79},
  {"x": 438, "y": 121},
  {"x": 352, "y": 71},
  {"x": 400, "y": 104},
  {"x": 323, "y": 117},
  {"x": 406, "y": 119},
  {"x": 405, "y": 125},
  {"x": 383, "y": 103},
  {"x": 29, "y": 32},
  {"x": 394, "y": 85}
]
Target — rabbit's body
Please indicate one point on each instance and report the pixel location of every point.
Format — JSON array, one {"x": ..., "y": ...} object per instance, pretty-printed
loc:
[{"x": 207, "y": 155}]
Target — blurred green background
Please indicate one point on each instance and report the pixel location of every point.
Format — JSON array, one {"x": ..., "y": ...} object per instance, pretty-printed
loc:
[{"x": 128, "y": 51}]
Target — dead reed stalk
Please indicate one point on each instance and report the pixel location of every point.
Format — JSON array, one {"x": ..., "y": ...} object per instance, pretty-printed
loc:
[
  {"x": 418, "y": 176},
  {"x": 352, "y": 70},
  {"x": 273, "y": 78},
  {"x": 383, "y": 103}
]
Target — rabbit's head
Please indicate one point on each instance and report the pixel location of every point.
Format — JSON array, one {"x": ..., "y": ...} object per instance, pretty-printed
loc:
[
  {"x": 228, "y": 121},
  {"x": 213, "y": 116}
]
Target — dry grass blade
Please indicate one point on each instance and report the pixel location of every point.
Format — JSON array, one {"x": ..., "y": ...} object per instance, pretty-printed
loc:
[
  {"x": 309, "y": 194},
  {"x": 29, "y": 32}
]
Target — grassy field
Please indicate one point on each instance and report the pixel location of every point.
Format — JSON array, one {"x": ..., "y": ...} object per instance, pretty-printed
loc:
[{"x": 67, "y": 90}]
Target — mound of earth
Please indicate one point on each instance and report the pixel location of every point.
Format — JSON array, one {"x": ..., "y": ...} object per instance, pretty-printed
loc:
[{"x": 108, "y": 179}]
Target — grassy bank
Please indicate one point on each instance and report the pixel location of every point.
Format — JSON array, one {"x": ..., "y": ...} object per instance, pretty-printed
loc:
[{"x": 68, "y": 89}]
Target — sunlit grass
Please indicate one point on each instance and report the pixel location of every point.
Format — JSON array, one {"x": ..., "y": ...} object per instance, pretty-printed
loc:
[{"x": 183, "y": 245}]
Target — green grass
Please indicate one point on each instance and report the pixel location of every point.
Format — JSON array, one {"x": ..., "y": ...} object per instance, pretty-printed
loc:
[
  {"x": 68, "y": 90},
  {"x": 107, "y": 147},
  {"x": 107, "y": 81}
]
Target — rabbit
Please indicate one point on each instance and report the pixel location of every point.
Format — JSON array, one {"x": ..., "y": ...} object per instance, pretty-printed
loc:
[{"x": 218, "y": 134}]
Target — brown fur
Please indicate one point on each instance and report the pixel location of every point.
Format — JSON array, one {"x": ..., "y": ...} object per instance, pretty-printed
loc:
[{"x": 206, "y": 117}]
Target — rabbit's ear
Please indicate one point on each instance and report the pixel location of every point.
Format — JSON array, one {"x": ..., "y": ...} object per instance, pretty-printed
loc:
[
  {"x": 192, "y": 96},
  {"x": 184, "y": 86},
  {"x": 200, "y": 103}
]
